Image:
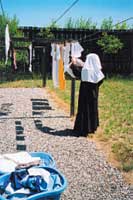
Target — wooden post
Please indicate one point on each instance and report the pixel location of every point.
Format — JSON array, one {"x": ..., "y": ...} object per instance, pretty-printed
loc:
[
  {"x": 11, "y": 49},
  {"x": 43, "y": 66},
  {"x": 72, "y": 109}
]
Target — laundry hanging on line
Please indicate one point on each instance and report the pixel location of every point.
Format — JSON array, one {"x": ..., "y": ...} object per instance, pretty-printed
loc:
[
  {"x": 7, "y": 42},
  {"x": 30, "y": 57},
  {"x": 61, "y": 55}
]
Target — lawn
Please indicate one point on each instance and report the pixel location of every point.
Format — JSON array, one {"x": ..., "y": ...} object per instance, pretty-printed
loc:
[
  {"x": 115, "y": 112},
  {"x": 116, "y": 116}
]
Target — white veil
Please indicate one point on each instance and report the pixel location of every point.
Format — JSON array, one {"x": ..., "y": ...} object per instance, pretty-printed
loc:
[{"x": 91, "y": 71}]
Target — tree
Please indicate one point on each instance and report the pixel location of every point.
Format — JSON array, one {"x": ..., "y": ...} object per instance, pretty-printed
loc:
[
  {"x": 53, "y": 24},
  {"x": 110, "y": 43},
  {"x": 107, "y": 24},
  {"x": 122, "y": 26},
  {"x": 46, "y": 33},
  {"x": 13, "y": 25},
  {"x": 80, "y": 23},
  {"x": 85, "y": 24},
  {"x": 69, "y": 23}
]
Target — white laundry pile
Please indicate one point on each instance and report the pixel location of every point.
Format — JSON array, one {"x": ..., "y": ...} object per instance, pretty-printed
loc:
[{"x": 12, "y": 161}]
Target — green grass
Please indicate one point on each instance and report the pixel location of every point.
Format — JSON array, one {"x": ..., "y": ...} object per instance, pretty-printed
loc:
[
  {"x": 115, "y": 112},
  {"x": 21, "y": 80}
]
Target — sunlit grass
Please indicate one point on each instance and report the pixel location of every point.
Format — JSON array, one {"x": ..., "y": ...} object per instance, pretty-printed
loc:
[{"x": 115, "y": 113}]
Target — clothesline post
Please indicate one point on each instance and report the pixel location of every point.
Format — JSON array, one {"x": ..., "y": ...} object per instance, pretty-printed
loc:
[
  {"x": 72, "y": 106},
  {"x": 11, "y": 50},
  {"x": 43, "y": 66}
]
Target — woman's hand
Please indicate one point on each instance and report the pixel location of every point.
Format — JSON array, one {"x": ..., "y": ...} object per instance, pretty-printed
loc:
[
  {"x": 78, "y": 62},
  {"x": 74, "y": 61}
]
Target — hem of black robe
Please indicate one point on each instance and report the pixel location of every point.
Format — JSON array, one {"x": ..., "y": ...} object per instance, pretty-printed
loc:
[{"x": 83, "y": 133}]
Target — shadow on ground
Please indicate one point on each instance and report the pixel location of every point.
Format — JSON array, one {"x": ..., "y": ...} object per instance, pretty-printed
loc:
[{"x": 48, "y": 130}]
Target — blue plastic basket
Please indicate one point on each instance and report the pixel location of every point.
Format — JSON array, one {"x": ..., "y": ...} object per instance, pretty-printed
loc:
[
  {"x": 47, "y": 195},
  {"x": 46, "y": 158}
]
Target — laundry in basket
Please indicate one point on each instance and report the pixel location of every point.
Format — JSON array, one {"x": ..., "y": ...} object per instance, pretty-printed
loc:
[
  {"x": 24, "y": 185},
  {"x": 9, "y": 162}
]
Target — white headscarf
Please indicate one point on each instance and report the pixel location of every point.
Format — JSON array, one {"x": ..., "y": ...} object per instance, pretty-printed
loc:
[{"x": 91, "y": 71}]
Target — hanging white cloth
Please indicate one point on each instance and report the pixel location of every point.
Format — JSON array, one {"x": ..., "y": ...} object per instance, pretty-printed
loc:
[
  {"x": 66, "y": 59},
  {"x": 69, "y": 70},
  {"x": 7, "y": 42},
  {"x": 66, "y": 54},
  {"x": 30, "y": 58},
  {"x": 53, "y": 63},
  {"x": 55, "y": 53},
  {"x": 91, "y": 71},
  {"x": 76, "y": 49}
]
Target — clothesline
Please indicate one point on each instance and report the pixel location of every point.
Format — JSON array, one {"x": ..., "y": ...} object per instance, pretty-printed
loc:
[{"x": 60, "y": 60}]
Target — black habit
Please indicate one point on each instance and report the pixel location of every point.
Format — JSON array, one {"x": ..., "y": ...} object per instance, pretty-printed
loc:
[{"x": 87, "y": 119}]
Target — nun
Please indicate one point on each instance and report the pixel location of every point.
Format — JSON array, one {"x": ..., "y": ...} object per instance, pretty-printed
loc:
[{"x": 91, "y": 75}]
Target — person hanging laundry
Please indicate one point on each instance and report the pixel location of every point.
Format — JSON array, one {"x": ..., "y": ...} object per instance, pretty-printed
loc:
[{"x": 87, "y": 119}]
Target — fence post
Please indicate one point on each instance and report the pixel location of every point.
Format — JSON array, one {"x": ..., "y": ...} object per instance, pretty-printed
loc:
[{"x": 72, "y": 109}]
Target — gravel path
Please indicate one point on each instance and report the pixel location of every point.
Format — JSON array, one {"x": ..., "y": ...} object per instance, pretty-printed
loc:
[{"x": 30, "y": 120}]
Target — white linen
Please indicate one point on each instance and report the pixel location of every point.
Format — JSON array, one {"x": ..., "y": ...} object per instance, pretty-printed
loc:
[
  {"x": 40, "y": 172},
  {"x": 76, "y": 49},
  {"x": 7, "y": 42},
  {"x": 22, "y": 159},
  {"x": 55, "y": 53},
  {"x": 66, "y": 54},
  {"x": 30, "y": 58},
  {"x": 68, "y": 70},
  {"x": 7, "y": 165}
]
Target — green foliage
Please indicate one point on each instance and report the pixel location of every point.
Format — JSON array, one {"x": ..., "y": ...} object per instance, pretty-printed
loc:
[
  {"x": 110, "y": 44},
  {"x": 80, "y": 23},
  {"x": 69, "y": 23},
  {"x": 14, "y": 32},
  {"x": 46, "y": 33},
  {"x": 13, "y": 25},
  {"x": 85, "y": 24},
  {"x": 107, "y": 24},
  {"x": 122, "y": 26},
  {"x": 116, "y": 108},
  {"x": 53, "y": 24}
]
